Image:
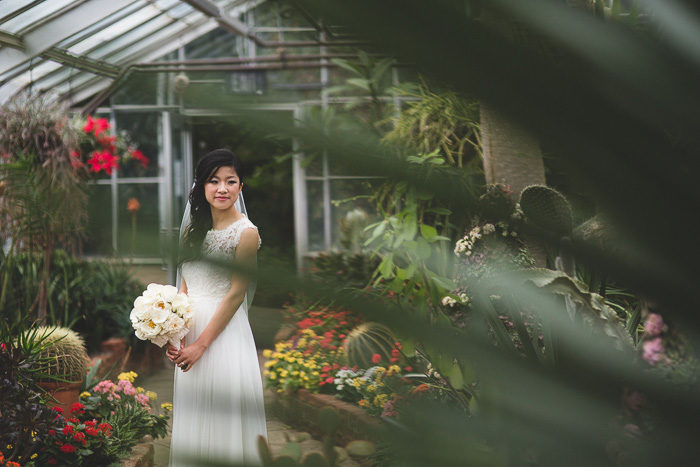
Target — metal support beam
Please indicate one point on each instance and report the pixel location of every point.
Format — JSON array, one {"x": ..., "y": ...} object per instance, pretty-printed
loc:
[
  {"x": 58, "y": 29},
  {"x": 91, "y": 65}
]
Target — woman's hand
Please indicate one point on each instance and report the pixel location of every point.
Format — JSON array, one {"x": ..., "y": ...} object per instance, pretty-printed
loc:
[
  {"x": 188, "y": 356},
  {"x": 173, "y": 352}
]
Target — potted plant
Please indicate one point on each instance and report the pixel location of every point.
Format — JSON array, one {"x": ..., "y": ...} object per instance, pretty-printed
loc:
[{"x": 65, "y": 365}]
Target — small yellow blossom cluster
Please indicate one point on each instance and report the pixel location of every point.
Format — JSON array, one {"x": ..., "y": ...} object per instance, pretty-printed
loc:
[
  {"x": 299, "y": 364},
  {"x": 129, "y": 376}
]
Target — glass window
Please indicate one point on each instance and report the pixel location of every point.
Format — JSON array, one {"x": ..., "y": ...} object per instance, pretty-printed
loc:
[{"x": 138, "y": 231}]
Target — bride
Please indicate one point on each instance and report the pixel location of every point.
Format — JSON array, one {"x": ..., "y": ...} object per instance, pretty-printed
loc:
[{"x": 218, "y": 410}]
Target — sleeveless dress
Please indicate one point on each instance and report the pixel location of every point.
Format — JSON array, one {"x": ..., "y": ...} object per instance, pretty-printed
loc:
[{"x": 218, "y": 409}]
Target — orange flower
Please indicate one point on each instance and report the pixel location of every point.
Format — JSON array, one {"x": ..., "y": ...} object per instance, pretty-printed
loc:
[{"x": 133, "y": 206}]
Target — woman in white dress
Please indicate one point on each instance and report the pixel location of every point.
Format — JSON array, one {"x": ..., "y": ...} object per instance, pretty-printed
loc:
[{"x": 218, "y": 410}]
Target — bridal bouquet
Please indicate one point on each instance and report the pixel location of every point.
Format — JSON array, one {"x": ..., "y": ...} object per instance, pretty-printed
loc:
[{"x": 161, "y": 315}]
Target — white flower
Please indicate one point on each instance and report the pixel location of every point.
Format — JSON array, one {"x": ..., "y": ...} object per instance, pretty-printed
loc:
[
  {"x": 489, "y": 228},
  {"x": 161, "y": 315},
  {"x": 448, "y": 301},
  {"x": 464, "y": 298}
]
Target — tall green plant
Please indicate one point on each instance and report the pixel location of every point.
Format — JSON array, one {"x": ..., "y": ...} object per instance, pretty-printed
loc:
[{"x": 39, "y": 174}]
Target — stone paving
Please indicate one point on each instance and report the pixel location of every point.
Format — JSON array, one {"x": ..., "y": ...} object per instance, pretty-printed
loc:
[{"x": 278, "y": 432}]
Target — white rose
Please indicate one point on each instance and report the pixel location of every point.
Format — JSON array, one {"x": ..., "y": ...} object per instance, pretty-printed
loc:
[
  {"x": 168, "y": 292},
  {"x": 160, "y": 312},
  {"x": 148, "y": 329}
]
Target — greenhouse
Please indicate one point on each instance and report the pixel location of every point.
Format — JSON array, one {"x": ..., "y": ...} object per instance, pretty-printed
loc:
[{"x": 471, "y": 216}]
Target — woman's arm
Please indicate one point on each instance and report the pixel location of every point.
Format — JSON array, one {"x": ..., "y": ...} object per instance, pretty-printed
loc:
[{"x": 246, "y": 251}]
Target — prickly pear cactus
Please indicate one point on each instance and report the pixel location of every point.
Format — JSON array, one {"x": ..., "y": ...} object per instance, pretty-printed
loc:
[
  {"x": 547, "y": 209},
  {"x": 68, "y": 349},
  {"x": 367, "y": 340}
]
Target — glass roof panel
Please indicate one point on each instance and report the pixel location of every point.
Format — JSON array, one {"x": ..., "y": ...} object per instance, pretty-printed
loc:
[
  {"x": 132, "y": 12},
  {"x": 124, "y": 32},
  {"x": 29, "y": 18}
]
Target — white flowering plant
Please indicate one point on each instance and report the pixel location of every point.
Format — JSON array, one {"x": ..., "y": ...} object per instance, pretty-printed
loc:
[{"x": 162, "y": 315}]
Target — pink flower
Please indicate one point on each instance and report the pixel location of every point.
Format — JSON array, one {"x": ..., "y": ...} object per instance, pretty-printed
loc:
[
  {"x": 653, "y": 350},
  {"x": 654, "y": 324},
  {"x": 142, "y": 399},
  {"x": 104, "y": 386}
]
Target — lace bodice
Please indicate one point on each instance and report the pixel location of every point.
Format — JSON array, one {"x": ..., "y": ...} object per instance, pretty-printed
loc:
[{"x": 206, "y": 279}]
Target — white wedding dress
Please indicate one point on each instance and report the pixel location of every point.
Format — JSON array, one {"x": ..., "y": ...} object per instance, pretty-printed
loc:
[{"x": 218, "y": 409}]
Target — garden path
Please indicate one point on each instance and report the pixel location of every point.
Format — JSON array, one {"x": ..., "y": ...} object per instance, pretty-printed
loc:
[{"x": 278, "y": 432}]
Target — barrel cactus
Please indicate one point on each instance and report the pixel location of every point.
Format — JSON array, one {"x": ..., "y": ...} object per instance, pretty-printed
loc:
[
  {"x": 366, "y": 341},
  {"x": 65, "y": 349},
  {"x": 547, "y": 209}
]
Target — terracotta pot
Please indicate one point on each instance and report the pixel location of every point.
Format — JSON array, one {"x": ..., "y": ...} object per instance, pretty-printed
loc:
[{"x": 66, "y": 394}]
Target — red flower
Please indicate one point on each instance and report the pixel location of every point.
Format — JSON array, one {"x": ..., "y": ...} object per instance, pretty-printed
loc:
[
  {"x": 52, "y": 461},
  {"x": 89, "y": 125},
  {"x": 408, "y": 368},
  {"x": 104, "y": 427},
  {"x": 58, "y": 409},
  {"x": 92, "y": 431},
  {"x": 138, "y": 155},
  {"x": 74, "y": 420},
  {"x": 68, "y": 430},
  {"x": 77, "y": 407},
  {"x": 79, "y": 437},
  {"x": 67, "y": 448},
  {"x": 329, "y": 380},
  {"x": 376, "y": 358},
  {"x": 90, "y": 423},
  {"x": 101, "y": 126}
]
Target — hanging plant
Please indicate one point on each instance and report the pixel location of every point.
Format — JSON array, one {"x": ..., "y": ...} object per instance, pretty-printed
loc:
[{"x": 100, "y": 150}]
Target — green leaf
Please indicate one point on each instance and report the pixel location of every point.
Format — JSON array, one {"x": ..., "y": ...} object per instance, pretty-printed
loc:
[
  {"x": 428, "y": 231},
  {"x": 444, "y": 282},
  {"x": 360, "y": 83},
  {"x": 423, "y": 248},
  {"x": 456, "y": 377},
  {"x": 387, "y": 265},
  {"x": 443, "y": 211},
  {"x": 348, "y": 65}
]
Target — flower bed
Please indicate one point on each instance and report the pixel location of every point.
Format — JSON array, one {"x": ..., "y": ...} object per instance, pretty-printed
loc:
[
  {"x": 310, "y": 370},
  {"x": 110, "y": 419}
]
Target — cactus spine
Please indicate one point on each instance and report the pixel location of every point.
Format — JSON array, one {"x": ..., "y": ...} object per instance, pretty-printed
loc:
[
  {"x": 365, "y": 341},
  {"x": 547, "y": 209},
  {"x": 66, "y": 352}
]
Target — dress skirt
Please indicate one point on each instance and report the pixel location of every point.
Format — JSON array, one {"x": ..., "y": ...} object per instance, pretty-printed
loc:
[{"x": 218, "y": 408}]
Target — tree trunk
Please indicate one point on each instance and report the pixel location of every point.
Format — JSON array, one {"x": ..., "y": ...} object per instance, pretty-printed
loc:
[{"x": 512, "y": 155}]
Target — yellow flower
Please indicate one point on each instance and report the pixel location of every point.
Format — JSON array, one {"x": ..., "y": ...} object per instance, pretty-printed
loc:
[
  {"x": 270, "y": 363},
  {"x": 272, "y": 376},
  {"x": 130, "y": 376},
  {"x": 267, "y": 353},
  {"x": 371, "y": 388},
  {"x": 85, "y": 394},
  {"x": 34, "y": 456},
  {"x": 167, "y": 406},
  {"x": 380, "y": 400},
  {"x": 139, "y": 390},
  {"x": 151, "y": 395}
]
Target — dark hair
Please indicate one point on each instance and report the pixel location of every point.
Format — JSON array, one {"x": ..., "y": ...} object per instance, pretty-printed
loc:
[{"x": 200, "y": 212}]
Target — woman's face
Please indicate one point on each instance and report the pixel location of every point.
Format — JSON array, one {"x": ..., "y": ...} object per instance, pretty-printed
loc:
[{"x": 222, "y": 188}]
